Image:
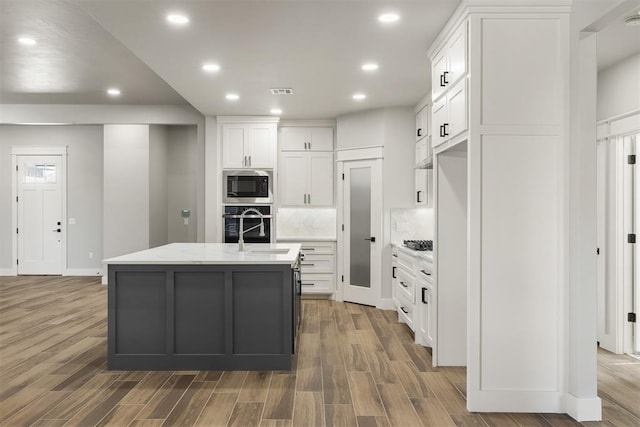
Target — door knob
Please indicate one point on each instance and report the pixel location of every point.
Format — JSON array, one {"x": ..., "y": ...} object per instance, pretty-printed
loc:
[{"x": 371, "y": 239}]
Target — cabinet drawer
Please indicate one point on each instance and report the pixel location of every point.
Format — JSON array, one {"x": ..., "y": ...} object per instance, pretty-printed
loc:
[
  {"x": 406, "y": 262},
  {"x": 318, "y": 264},
  {"x": 425, "y": 271},
  {"x": 405, "y": 311},
  {"x": 318, "y": 248},
  {"x": 405, "y": 286},
  {"x": 318, "y": 283}
]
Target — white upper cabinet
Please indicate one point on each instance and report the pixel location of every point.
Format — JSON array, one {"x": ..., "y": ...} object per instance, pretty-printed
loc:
[
  {"x": 306, "y": 178},
  {"x": 306, "y": 139},
  {"x": 421, "y": 187},
  {"x": 423, "y": 128},
  {"x": 450, "y": 114},
  {"x": 449, "y": 65},
  {"x": 251, "y": 146}
]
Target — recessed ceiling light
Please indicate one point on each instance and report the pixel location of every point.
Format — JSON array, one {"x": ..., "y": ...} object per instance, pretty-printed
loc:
[
  {"x": 370, "y": 67},
  {"x": 113, "y": 91},
  {"x": 359, "y": 96},
  {"x": 232, "y": 96},
  {"x": 276, "y": 111},
  {"x": 388, "y": 17},
  {"x": 178, "y": 19},
  {"x": 27, "y": 41},
  {"x": 211, "y": 68},
  {"x": 633, "y": 20}
]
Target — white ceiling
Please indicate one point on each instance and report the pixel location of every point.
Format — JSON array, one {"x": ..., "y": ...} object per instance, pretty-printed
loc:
[
  {"x": 315, "y": 47},
  {"x": 616, "y": 42},
  {"x": 73, "y": 62}
]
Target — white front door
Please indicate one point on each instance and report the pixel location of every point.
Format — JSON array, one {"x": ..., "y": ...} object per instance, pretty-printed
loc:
[
  {"x": 362, "y": 216},
  {"x": 39, "y": 216}
]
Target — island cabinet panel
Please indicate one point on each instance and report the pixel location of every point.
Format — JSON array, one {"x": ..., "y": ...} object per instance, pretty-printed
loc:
[
  {"x": 202, "y": 317},
  {"x": 141, "y": 302},
  {"x": 258, "y": 313},
  {"x": 199, "y": 299}
]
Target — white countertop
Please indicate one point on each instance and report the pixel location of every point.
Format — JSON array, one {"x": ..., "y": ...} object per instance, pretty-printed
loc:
[
  {"x": 212, "y": 253},
  {"x": 428, "y": 255}
]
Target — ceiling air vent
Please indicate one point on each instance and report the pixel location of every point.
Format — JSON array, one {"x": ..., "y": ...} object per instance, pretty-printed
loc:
[{"x": 281, "y": 91}]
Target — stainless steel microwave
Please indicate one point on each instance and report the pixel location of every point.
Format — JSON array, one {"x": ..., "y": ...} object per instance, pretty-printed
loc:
[{"x": 247, "y": 186}]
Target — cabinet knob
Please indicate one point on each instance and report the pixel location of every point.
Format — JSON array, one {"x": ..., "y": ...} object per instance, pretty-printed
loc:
[
  {"x": 442, "y": 83},
  {"x": 404, "y": 310},
  {"x": 444, "y": 77},
  {"x": 420, "y": 132},
  {"x": 393, "y": 272},
  {"x": 418, "y": 196},
  {"x": 404, "y": 285},
  {"x": 445, "y": 128},
  {"x": 424, "y": 296}
]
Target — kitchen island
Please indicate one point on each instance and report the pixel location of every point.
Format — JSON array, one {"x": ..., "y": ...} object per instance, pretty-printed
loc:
[{"x": 204, "y": 306}]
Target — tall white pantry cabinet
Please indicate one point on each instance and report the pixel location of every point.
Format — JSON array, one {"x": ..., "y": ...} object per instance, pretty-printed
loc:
[{"x": 500, "y": 127}]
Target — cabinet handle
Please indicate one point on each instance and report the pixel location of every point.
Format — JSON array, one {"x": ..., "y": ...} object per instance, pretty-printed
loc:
[
  {"x": 420, "y": 132},
  {"x": 445, "y": 129},
  {"x": 309, "y": 145},
  {"x": 395, "y": 255},
  {"x": 418, "y": 196},
  {"x": 309, "y": 198},
  {"x": 404, "y": 310},
  {"x": 424, "y": 296},
  {"x": 308, "y": 284},
  {"x": 249, "y": 160},
  {"x": 441, "y": 131},
  {"x": 442, "y": 83},
  {"x": 308, "y": 249},
  {"x": 404, "y": 285},
  {"x": 305, "y": 198},
  {"x": 424, "y": 272},
  {"x": 309, "y": 264},
  {"x": 444, "y": 76},
  {"x": 245, "y": 161},
  {"x": 393, "y": 272},
  {"x": 305, "y": 145}
]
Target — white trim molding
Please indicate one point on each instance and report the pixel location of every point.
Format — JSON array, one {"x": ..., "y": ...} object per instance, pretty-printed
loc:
[
  {"x": 246, "y": 119},
  {"x": 360, "y": 153},
  {"x": 583, "y": 409},
  {"x": 85, "y": 272}
]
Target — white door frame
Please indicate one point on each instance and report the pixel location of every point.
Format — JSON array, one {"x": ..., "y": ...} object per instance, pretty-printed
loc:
[
  {"x": 345, "y": 155},
  {"x": 38, "y": 151}
]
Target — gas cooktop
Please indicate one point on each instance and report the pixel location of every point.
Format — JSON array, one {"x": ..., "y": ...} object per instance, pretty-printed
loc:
[{"x": 419, "y": 245}]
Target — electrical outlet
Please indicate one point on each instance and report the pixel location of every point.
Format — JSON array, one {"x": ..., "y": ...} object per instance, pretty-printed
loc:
[{"x": 90, "y": 255}]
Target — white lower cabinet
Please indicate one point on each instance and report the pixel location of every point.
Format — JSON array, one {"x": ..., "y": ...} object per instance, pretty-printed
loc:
[
  {"x": 318, "y": 268},
  {"x": 414, "y": 294},
  {"x": 426, "y": 310}
]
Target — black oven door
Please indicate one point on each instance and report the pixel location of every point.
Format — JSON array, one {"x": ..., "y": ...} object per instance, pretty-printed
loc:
[{"x": 232, "y": 224}]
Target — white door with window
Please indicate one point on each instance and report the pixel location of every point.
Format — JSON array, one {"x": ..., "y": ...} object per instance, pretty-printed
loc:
[
  {"x": 362, "y": 236},
  {"x": 39, "y": 214}
]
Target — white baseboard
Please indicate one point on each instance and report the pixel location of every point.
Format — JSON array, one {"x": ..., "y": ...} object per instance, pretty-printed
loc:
[
  {"x": 583, "y": 409},
  {"x": 8, "y": 272},
  {"x": 95, "y": 272},
  {"x": 387, "y": 304}
]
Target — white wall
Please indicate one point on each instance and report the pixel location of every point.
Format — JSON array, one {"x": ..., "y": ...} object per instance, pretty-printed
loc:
[
  {"x": 84, "y": 188},
  {"x": 392, "y": 128},
  {"x": 158, "y": 185},
  {"x": 129, "y": 114},
  {"x": 126, "y": 189},
  {"x": 619, "y": 88},
  {"x": 182, "y": 177}
]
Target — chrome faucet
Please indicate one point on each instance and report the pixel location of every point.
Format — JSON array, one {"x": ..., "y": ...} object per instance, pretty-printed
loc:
[{"x": 242, "y": 231}]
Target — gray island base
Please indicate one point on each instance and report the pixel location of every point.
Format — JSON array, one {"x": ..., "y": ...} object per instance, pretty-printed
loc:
[{"x": 203, "y": 315}]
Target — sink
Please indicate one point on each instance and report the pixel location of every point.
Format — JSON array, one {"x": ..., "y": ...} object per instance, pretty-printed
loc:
[{"x": 268, "y": 251}]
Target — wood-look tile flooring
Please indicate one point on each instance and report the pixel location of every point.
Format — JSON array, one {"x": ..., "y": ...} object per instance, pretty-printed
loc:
[{"x": 356, "y": 366}]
